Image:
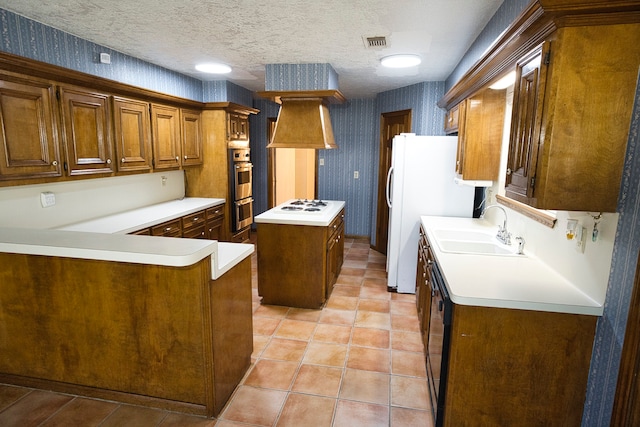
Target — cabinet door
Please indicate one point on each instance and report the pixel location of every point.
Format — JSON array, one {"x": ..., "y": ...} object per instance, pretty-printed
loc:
[
  {"x": 191, "y": 137},
  {"x": 86, "y": 125},
  {"x": 525, "y": 125},
  {"x": 480, "y": 135},
  {"x": 29, "y": 133},
  {"x": 166, "y": 136},
  {"x": 132, "y": 132},
  {"x": 452, "y": 119}
]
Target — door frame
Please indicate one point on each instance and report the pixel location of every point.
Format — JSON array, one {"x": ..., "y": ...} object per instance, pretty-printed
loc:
[{"x": 384, "y": 161}]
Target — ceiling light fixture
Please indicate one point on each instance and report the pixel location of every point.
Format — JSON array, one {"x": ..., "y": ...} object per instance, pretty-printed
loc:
[
  {"x": 214, "y": 68},
  {"x": 400, "y": 61}
]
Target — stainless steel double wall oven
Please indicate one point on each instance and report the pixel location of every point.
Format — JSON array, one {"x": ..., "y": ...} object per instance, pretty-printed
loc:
[{"x": 241, "y": 180}]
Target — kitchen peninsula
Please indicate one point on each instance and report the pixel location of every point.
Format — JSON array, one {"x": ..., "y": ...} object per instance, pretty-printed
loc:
[
  {"x": 300, "y": 252},
  {"x": 155, "y": 321}
]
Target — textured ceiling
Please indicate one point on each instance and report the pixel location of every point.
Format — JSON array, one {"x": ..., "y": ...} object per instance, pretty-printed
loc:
[{"x": 248, "y": 34}]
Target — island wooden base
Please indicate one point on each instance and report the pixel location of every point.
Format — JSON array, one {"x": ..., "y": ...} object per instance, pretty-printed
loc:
[{"x": 167, "y": 337}]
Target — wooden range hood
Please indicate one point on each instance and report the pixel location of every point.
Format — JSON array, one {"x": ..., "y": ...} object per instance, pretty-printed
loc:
[{"x": 303, "y": 120}]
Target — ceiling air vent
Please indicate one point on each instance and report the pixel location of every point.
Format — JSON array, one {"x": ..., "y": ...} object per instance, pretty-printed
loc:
[{"x": 375, "y": 42}]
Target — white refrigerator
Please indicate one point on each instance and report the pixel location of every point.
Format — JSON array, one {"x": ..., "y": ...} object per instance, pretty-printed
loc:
[{"x": 420, "y": 182}]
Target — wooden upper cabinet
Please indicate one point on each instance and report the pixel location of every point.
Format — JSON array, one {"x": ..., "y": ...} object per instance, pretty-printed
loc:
[
  {"x": 571, "y": 122},
  {"x": 480, "y": 129},
  {"x": 237, "y": 127},
  {"x": 191, "y": 122},
  {"x": 29, "y": 134},
  {"x": 86, "y": 131},
  {"x": 132, "y": 134},
  {"x": 165, "y": 123}
]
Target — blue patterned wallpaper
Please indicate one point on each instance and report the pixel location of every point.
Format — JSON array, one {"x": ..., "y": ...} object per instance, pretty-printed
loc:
[
  {"x": 605, "y": 361},
  {"x": 225, "y": 91},
  {"x": 300, "y": 77},
  {"x": 504, "y": 16},
  {"x": 24, "y": 37}
]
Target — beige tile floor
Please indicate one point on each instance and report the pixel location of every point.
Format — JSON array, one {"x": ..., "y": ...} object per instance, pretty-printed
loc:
[{"x": 358, "y": 361}]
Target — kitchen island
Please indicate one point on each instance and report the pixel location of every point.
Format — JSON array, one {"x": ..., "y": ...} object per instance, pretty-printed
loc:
[
  {"x": 300, "y": 252},
  {"x": 155, "y": 321}
]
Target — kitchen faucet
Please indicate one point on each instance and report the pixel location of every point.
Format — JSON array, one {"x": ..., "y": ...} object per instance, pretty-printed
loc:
[{"x": 503, "y": 235}]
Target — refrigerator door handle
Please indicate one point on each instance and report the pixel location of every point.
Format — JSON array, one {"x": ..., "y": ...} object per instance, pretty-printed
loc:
[{"x": 388, "y": 190}]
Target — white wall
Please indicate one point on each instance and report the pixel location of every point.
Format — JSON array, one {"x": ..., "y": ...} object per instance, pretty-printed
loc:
[
  {"x": 589, "y": 269},
  {"x": 86, "y": 199}
]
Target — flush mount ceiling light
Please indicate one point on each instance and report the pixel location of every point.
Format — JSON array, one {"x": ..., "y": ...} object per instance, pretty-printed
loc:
[
  {"x": 400, "y": 61},
  {"x": 213, "y": 68}
]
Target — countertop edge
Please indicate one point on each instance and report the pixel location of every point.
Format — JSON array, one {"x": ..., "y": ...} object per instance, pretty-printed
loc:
[
  {"x": 114, "y": 223},
  {"x": 228, "y": 256},
  {"x": 597, "y": 309}
]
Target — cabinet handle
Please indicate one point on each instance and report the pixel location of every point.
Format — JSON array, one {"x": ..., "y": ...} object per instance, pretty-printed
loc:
[
  {"x": 177, "y": 158},
  {"x": 108, "y": 161},
  {"x": 167, "y": 229},
  {"x": 196, "y": 219},
  {"x": 508, "y": 171},
  {"x": 54, "y": 163},
  {"x": 123, "y": 160},
  {"x": 185, "y": 157}
]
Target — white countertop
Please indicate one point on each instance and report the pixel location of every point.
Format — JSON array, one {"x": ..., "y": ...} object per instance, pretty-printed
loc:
[
  {"x": 519, "y": 282},
  {"x": 103, "y": 239},
  {"x": 136, "y": 219},
  {"x": 321, "y": 219}
]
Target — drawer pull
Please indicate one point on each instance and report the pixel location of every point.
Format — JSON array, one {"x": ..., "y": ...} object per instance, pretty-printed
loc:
[{"x": 167, "y": 229}]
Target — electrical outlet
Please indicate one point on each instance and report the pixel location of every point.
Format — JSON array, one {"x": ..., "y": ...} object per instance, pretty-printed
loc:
[
  {"x": 321, "y": 162},
  {"x": 164, "y": 180},
  {"x": 356, "y": 174},
  {"x": 47, "y": 199}
]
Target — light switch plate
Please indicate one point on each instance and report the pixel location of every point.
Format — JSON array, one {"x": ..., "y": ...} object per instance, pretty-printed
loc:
[{"x": 47, "y": 199}]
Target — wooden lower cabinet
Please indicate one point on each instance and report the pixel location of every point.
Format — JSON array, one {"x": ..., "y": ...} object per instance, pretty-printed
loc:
[
  {"x": 215, "y": 220},
  {"x": 194, "y": 225},
  {"x": 423, "y": 285},
  {"x": 517, "y": 367},
  {"x": 165, "y": 337},
  {"x": 298, "y": 264},
  {"x": 205, "y": 224},
  {"x": 171, "y": 228}
]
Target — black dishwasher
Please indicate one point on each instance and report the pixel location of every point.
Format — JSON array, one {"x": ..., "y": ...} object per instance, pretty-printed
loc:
[{"x": 440, "y": 314}]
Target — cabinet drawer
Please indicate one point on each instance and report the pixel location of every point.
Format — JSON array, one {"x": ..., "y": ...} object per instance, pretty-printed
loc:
[
  {"x": 194, "y": 219},
  {"x": 143, "y": 232},
  {"x": 215, "y": 212},
  {"x": 171, "y": 228},
  {"x": 197, "y": 232},
  {"x": 335, "y": 224}
]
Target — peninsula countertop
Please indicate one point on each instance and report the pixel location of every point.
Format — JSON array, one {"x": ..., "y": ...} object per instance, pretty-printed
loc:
[
  {"x": 148, "y": 216},
  {"x": 320, "y": 218},
  {"x": 519, "y": 282},
  {"x": 105, "y": 239}
]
